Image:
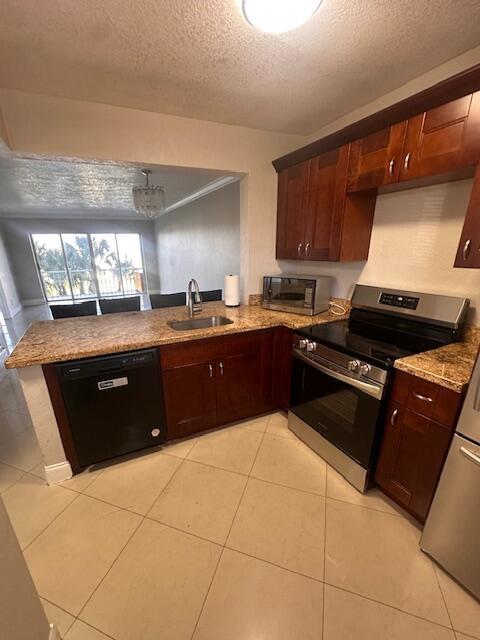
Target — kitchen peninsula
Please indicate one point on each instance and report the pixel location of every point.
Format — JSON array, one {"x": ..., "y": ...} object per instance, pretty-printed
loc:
[{"x": 252, "y": 330}]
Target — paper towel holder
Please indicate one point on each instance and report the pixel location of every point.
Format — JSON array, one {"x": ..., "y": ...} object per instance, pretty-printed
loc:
[{"x": 232, "y": 290}]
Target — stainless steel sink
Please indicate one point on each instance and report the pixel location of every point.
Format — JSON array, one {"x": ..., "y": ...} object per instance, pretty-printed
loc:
[{"x": 199, "y": 323}]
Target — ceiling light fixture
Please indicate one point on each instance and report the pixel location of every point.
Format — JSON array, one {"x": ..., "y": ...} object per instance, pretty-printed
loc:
[
  {"x": 149, "y": 201},
  {"x": 278, "y": 16}
]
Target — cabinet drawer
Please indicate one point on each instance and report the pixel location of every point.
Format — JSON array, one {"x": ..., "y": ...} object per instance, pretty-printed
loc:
[
  {"x": 426, "y": 398},
  {"x": 422, "y": 396},
  {"x": 209, "y": 349}
]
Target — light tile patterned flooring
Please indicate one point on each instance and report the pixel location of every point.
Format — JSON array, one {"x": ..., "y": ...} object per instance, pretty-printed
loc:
[{"x": 239, "y": 534}]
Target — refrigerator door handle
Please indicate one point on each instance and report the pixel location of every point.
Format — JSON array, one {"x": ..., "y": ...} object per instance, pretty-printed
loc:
[{"x": 470, "y": 455}]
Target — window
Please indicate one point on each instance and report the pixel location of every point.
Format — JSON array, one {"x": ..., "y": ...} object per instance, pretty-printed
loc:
[{"x": 80, "y": 266}]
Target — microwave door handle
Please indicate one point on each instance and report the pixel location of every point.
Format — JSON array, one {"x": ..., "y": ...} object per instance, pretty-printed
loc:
[{"x": 371, "y": 389}]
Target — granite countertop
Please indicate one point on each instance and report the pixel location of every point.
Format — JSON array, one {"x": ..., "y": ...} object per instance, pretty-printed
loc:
[
  {"x": 72, "y": 338},
  {"x": 449, "y": 366},
  {"x": 60, "y": 340}
]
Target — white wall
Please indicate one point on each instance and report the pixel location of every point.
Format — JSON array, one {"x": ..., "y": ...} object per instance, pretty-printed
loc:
[
  {"x": 414, "y": 241},
  {"x": 17, "y": 239},
  {"x": 21, "y": 612},
  {"x": 9, "y": 299},
  {"x": 200, "y": 240}
]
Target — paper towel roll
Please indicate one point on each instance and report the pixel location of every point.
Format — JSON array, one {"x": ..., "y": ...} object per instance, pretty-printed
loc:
[{"x": 232, "y": 291}]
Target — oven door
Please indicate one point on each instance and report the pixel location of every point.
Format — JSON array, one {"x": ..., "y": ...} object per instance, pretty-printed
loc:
[{"x": 339, "y": 405}]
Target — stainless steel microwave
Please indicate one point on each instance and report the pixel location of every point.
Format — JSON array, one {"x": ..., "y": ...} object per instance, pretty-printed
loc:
[{"x": 307, "y": 295}]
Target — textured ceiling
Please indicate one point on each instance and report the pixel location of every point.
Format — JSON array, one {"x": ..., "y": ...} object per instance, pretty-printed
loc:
[
  {"x": 200, "y": 58},
  {"x": 47, "y": 188}
]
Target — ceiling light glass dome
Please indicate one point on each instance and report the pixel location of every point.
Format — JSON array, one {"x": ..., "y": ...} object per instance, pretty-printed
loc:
[{"x": 278, "y": 16}]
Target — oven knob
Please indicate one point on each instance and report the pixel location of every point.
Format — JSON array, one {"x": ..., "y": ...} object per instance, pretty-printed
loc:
[
  {"x": 354, "y": 365},
  {"x": 311, "y": 346},
  {"x": 302, "y": 344},
  {"x": 364, "y": 369}
]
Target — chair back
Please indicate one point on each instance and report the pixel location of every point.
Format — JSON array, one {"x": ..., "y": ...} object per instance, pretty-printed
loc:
[
  {"x": 119, "y": 305},
  {"x": 88, "y": 308},
  {"x": 209, "y": 296},
  {"x": 162, "y": 300}
]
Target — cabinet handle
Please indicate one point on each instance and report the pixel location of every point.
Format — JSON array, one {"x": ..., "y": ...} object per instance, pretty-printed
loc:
[
  {"x": 406, "y": 162},
  {"x": 210, "y": 370},
  {"x": 393, "y": 417},
  {"x": 391, "y": 165},
  {"x": 221, "y": 368},
  {"x": 466, "y": 249},
  {"x": 307, "y": 249},
  {"x": 423, "y": 398},
  {"x": 299, "y": 249},
  {"x": 470, "y": 455}
]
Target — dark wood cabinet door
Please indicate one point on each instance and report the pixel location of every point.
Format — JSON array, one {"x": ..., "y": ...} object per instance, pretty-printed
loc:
[
  {"x": 411, "y": 458},
  {"x": 435, "y": 140},
  {"x": 471, "y": 147},
  {"x": 375, "y": 160},
  {"x": 190, "y": 400},
  {"x": 282, "y": 364},
  {"x": 339, "y": 225},
  {"x": 265, "y": 397},
  {"x": 292, "y": 211},
  {"x": 236, "y": 380},
  {"x": 326, "y": 199},
  {"x": 468, "y": 252}
]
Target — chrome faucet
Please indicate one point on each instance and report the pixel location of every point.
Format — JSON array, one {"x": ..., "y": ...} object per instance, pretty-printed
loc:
[{"x": 193, "y": 307}]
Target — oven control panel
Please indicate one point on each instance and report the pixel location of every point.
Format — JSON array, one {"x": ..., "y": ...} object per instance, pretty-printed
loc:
[{"x": 394, "y": 300}]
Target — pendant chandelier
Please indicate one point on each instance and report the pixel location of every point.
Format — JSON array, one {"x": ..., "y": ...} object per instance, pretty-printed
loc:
[{"x": 149, "y": 201}]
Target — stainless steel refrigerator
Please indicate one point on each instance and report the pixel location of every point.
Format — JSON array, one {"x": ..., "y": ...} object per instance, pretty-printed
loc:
[{"x": 452, "y": 531}]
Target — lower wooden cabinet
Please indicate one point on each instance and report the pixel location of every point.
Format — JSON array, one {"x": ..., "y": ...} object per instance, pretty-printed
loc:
[
  {"x": 282, "y": 365},
  {"x": 217, "y": 380},
  {"x": 235, "y": 382},
  {"x": 190, "y": 399},
  {"x": 418, "y": 430}
]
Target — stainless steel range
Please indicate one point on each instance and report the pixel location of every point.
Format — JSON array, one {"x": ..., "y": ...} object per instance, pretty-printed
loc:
[{"x": 341, "y": 371}]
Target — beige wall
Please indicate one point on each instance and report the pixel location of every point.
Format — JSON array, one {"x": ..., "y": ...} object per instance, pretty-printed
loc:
[
  {"x": 54, "y": 126},
  {"x": 21, "y": 613},
  {"x": 200, "y": 240},
  {"x": 58, "y": 127}
]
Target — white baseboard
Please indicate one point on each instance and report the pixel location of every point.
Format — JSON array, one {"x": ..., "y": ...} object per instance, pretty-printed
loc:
[
  {"x": 55, "y": 473},
  {"x": 54, "y": 634},
  {"x": 32, "y": 302}
]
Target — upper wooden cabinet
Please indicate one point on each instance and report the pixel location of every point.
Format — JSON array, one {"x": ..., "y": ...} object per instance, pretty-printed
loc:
[
  {"x": 436, "y": 141},
  {"x": 375, "y": 160},
  {"x": 441, "y": 140},
  {"x": 326, "y": 204},
  {"x": 468, "y": 253},
  {"x": 317, "y": 219},
  {"x": 292, "y": 211}
]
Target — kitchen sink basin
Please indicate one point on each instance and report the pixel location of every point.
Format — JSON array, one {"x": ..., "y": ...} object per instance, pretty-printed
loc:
[{"x": 199, "y": 323}]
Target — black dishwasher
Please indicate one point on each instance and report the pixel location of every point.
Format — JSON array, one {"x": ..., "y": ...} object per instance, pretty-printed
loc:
[{"x": 114, "y": 404}]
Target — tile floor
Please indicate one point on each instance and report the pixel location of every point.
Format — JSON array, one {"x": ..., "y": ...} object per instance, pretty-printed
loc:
[{"x": 239, "y": 534}]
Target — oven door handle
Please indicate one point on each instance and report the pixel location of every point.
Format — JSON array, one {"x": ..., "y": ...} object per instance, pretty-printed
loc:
[{"x": 373, "y": 390}]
